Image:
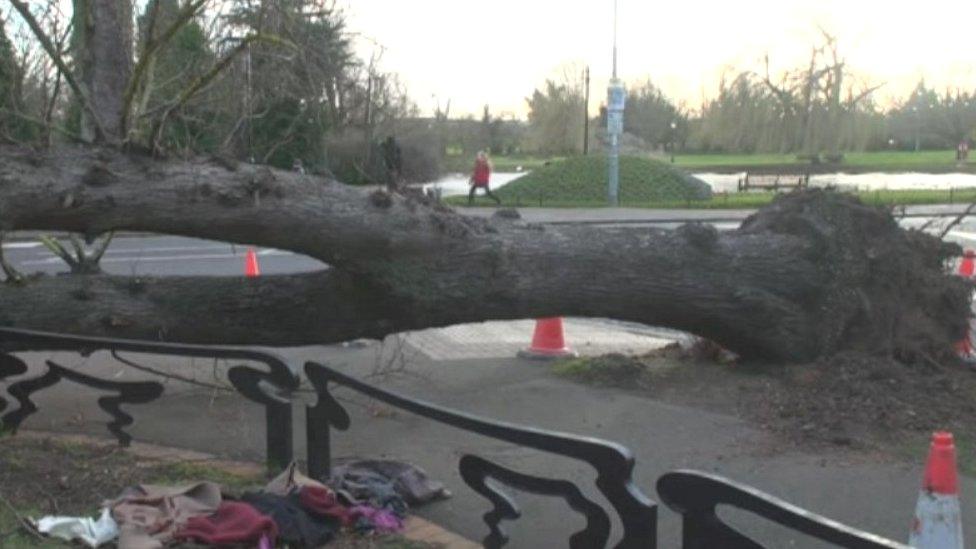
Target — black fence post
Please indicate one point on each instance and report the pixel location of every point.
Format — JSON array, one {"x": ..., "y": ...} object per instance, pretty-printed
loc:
[
  {"x": 279, "y": 436},
  {"x": 318, "y": 435}
]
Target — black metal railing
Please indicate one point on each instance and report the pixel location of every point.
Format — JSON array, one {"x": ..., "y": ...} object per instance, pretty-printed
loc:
[
  {"x": 694, "y": 495},
  {"x": 613, "y": 464},
  {"x": 264, "y": 387}
]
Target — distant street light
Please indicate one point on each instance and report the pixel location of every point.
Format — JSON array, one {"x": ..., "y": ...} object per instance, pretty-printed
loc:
[
  {"x": 918, "y": 126},
  {"x": 674, "y": 126}
]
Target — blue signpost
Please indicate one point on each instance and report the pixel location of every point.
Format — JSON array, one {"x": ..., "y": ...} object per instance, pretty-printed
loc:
[{"x": 616, "y": 100}]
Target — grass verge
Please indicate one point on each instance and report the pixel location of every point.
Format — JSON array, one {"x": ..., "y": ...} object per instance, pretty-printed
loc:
[
  {"x": 730, "y": 201},
  {"x": 49, "y": 476}
]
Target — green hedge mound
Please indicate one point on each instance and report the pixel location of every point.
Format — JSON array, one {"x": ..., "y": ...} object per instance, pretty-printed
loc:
[{"x": 583, "y": 179}]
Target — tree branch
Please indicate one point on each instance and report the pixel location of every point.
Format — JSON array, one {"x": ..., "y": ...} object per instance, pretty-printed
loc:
[
  {"x": 13, "y": 277},
  {"x": 152, "y": 46},
  {"x": 100, "y": 249},
  {"x": 204, "y": 80},
  {"x": 57, "y": 249},
  {"x": 24, "y": 10}
]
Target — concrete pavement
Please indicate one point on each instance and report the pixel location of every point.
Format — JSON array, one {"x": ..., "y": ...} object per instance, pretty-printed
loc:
[{"x": 863, "y": 490}]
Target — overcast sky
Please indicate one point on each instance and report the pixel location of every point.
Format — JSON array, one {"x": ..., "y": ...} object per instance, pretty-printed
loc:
[{"x": 496, "y": 52}]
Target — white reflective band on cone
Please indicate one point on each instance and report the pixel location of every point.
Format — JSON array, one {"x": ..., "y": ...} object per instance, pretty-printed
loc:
[{"x": 938, "y": 522}]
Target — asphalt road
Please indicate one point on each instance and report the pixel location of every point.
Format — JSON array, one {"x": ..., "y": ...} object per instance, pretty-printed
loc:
[{"x": 164, "y": 256}]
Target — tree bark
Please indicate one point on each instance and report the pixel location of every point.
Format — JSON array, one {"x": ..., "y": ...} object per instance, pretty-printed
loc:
[
  {"x": 103, "y": 52},
  {"x": 813, "y": 274}
]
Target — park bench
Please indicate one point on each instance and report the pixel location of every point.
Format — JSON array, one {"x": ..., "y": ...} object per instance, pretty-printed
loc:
[
  {"x": 749, "y": 182},
  {"x": 694, "y": 495}
]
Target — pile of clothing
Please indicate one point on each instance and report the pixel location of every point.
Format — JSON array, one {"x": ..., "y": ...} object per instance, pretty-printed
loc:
[{"x": 365, "y": 497}]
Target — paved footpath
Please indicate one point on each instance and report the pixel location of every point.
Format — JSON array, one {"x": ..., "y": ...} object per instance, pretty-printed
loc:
[{"x": 860, "y": 490}]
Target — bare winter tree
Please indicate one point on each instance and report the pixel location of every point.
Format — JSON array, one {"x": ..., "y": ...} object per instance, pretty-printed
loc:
[
  {"x": 813, "y": 274},
  {"x": 814, "y": 97}
]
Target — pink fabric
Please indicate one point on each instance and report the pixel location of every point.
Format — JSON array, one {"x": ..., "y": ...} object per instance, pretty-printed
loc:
[
  {"x": 149, "y": 515},
  {"x": 323, "y": 502},
  {"x": 385, "y": 522},
  {"x": 233, "y": 523}
]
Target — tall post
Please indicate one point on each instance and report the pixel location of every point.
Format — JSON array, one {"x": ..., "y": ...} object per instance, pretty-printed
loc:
[
  {"x": 616, "y": 98},
  {"x": 615, "y": 39},
  {"x": 674, "y": 127},
  {"x": 586, "y": 111},
  {"x": 918, "y": 126}
]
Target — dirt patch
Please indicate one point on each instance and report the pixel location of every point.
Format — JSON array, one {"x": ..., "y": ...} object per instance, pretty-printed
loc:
[
  {"x": 851, "y": 400},
  {"x": 44, "y": 476}
]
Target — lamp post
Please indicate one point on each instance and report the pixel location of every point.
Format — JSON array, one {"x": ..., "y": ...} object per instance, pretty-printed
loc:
[
  {"x": 616, "y": 98},
  {"x": 674, "y": 126},
  {"x": 918, "y": 123},
  {"x": 586, "y": 111}
]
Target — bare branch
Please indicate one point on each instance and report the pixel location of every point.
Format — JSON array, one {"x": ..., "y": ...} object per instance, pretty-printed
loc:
[
  {"x": 204, "y": 80},
  {"x": 60, "y": 129},
  {"x": 96, "y": 256},
  {"x": 55, "y": 56},
  {"x": 57, "y": 249},
  {"x": 868, "y": 91},
  {"x": 957, "y": 220},
  {"x": 12, "y": 275},
  {"x": 78, "y": 246},
  {"x": 152, "y": 46}
]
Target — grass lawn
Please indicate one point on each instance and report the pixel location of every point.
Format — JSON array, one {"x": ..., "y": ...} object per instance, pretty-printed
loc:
[
  {"x": 730, "y": 201},
  {"x": 881, "y": 160},
  {"x": 871, "y": 161}
]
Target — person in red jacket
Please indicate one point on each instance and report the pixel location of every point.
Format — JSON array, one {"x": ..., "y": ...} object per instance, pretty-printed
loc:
[{"x": 480, "y": 178}]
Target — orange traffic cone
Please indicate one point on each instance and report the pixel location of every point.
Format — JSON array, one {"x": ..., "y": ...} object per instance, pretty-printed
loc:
[
  {"x": 938, "y": 519},
  {"x": 548, "y": 341},
  {"x": 964, "y": 347},
  {"x": 966, "y": 267},
  {"x": 251, "y": 268}
]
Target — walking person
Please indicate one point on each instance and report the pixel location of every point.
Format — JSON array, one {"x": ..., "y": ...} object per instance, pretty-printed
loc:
[
  {"x": 480, "y": 178},
  {"x": 393, "y": 159}
]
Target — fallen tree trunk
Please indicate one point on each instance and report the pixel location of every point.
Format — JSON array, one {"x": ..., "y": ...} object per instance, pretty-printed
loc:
[{"x": 812, "y": 274}]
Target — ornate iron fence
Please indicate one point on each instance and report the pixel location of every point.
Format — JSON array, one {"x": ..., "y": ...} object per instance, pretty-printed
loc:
[
  {"x": 694, "y": 495},
  {"x": 265, "y": 387}
]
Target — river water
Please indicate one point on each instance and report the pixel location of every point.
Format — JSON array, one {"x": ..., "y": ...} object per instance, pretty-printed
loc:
[{"x": 457, "y": 184}]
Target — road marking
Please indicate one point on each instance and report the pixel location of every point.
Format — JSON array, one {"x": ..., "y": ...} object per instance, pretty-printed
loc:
[
  {"x": 116, "y": 251},
  {"x": 963, "y": 234},
  {"x": 151, "y": 259},
  {"x": 21, "y": 245}
]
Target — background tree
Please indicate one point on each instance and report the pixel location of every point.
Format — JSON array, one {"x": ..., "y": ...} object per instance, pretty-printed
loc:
[
  {"x": 650, "y": 114},
  {"x": 11, "y": 84},
  {"x": 198, "y": 125},
  {"x": 555, "y": 125},
  {"x": 929, "y": 120}
]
